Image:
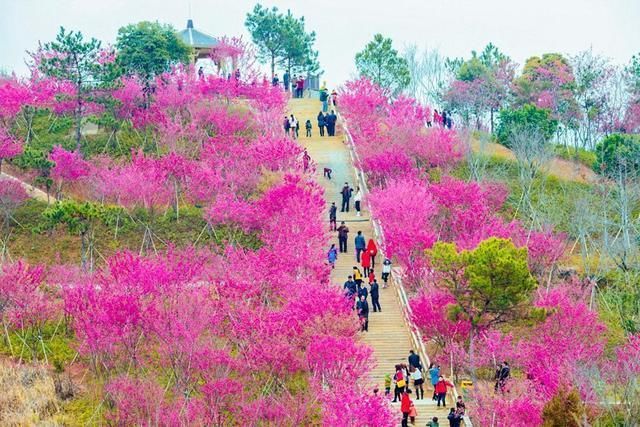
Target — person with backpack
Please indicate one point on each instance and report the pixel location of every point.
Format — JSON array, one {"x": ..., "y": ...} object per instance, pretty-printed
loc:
[
  {"x": 321, "y": 123},
  {"x": 307, "y": 126}
]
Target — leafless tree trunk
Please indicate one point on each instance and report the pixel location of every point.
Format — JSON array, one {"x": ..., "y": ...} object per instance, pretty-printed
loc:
[
  {"x": 533, "y": 154},
  {"x": 429, "y": 74}
]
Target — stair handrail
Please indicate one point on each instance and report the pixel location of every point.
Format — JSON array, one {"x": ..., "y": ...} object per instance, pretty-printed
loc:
[{"x": 397, "y": 272}]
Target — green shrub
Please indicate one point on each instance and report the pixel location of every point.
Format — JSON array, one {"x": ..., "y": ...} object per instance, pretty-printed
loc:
[{"x": 527, "y": 118}]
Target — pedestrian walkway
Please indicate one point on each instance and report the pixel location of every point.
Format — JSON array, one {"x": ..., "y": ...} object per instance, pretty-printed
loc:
[
  {"x": 388, "y": 334},
  {"x": 32, "y": 191}
]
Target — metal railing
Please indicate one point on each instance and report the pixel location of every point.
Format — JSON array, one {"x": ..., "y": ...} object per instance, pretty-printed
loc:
[{"x": 396, "y": 272}]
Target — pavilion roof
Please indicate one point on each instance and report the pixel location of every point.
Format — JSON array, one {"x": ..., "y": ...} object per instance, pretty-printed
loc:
[{"x": 195, "y": 38}]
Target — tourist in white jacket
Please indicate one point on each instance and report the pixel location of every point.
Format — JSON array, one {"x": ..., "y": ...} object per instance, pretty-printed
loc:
[{"x": 357, "y": 198}]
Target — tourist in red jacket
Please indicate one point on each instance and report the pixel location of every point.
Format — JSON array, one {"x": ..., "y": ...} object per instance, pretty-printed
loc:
[
  {"x": 373, "y": 251},
  {"x": 441, "y": 391},
  {"x": 405, "y": 408},
  {"x": 365, "y": 261}
]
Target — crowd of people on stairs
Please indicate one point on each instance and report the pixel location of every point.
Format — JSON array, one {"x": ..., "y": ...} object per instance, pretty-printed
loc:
[
  {"x": 365, "y": 299},
  {"x": 414, "y": 371}
]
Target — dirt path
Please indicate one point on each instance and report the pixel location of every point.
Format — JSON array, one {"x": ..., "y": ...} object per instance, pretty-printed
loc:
[{"x": 32, "y": 191}]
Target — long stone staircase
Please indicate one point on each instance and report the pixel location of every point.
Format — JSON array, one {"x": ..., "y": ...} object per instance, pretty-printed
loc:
[{"x": 388, "y": 334}]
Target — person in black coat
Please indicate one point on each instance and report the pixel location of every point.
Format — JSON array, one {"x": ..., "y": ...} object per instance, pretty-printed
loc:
[
  {"x": 363, "y": 313},
  {"x": 350, "y": 287},
  {"x": 346, "y": 195},
  {"x": 414, "y": 360},
  {"x": 363, "y": 292},
  {"x": 331, "y": 123},
  {"x": 375, "y": 296},
  {"x": 333, "y": 210},
  {"x": 454, "y": 418},
  {"x": 321, "y": 123},
  {"x": 502, "y": 375}
]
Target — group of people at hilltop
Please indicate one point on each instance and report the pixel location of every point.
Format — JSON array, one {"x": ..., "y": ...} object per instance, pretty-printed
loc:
[
  {"x": 296, "y": 85},
  {"x": 443, "y": 119},
  {"x": 326, "y": 121}
]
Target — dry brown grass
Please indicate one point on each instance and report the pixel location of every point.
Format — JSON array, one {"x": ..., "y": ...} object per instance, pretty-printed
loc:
[
  {"x": 27, "y": 395},
  {"x": 560, "y": 168}
]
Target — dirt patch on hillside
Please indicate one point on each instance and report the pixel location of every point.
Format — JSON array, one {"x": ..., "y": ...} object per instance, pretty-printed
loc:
[{"x": 560, "y": 168}]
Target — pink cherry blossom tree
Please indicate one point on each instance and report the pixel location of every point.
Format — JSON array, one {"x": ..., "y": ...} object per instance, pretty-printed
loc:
[
  {"x": 9, "y": 146},
  {"x": 68, "y": 167}
]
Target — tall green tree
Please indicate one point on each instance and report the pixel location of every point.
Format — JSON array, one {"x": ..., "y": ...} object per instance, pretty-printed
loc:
[
  {"x": 147, "y": 49},
  {"x": 299, "y": 55},
  {"x": 527, "y": 119},
  {"x": 618, "y": 154},
  {"x": 382, "y": 64},
  {"x": 282, "y": 40},
  {"x": 84, "y": 64},
  {"x": 491, "y": 284}
]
